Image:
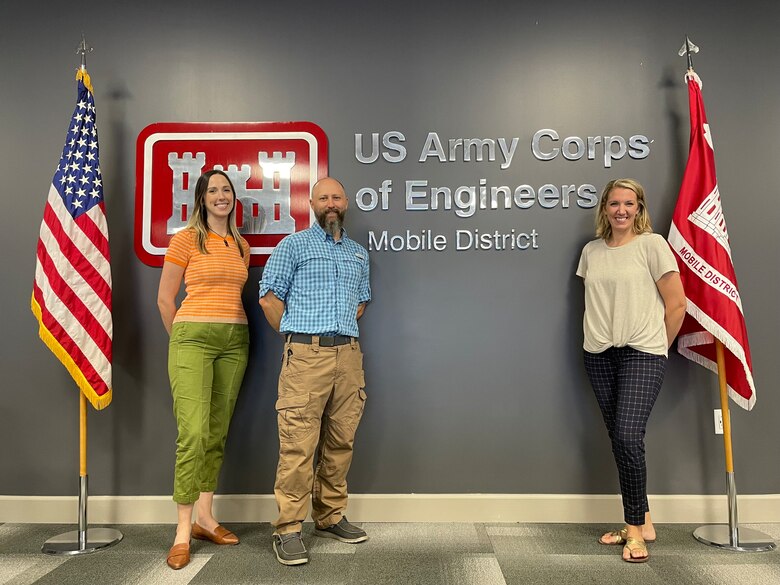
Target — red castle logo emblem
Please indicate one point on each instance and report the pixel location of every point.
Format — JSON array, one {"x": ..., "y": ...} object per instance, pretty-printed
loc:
[{"x": 272, "y": 166}]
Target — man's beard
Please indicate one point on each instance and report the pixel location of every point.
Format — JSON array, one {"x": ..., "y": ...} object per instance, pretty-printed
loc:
[{"x": 331, "y": 226}]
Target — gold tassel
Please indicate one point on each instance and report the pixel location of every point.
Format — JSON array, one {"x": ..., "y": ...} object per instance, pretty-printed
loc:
[{"x": 82, "y": 75}]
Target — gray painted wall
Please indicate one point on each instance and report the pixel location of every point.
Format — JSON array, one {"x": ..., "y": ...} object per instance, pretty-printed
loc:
[{"x": 472, "y": 358}]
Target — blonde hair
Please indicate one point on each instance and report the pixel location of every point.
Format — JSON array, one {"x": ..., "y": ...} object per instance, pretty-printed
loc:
[
  {"x": 642, "y": 223},
  {"x": 198, "y": 221}
]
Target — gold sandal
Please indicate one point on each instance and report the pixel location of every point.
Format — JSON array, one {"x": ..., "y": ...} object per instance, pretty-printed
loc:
[
  {"x": 619, "y": 536},
  {"x": 634, "y": 545}
]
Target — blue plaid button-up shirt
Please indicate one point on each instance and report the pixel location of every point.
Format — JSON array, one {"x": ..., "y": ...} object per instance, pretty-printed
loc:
[{"x": 320, "y": 280}]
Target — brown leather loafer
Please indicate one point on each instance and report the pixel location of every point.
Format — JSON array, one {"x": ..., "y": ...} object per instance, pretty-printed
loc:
[
  {"x": 179, "y": 556},
  {"x": 221, "y": 535}
]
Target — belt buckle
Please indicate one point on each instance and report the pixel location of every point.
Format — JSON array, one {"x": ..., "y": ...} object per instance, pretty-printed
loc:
[{"x": 327, "y": 341}]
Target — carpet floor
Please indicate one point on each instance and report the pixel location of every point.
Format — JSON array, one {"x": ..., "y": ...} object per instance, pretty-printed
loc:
[{"x": 396, "y": 553}]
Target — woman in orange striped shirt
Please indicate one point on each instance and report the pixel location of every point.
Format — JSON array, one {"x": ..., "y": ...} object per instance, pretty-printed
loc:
[{"x": 207, "y": 353}]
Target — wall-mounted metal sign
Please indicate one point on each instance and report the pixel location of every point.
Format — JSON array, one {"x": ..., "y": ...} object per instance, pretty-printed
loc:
[{"x": 272, "y": 166}]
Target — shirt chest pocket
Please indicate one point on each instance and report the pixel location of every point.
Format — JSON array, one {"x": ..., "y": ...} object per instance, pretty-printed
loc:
[
  {"x": 314, "y": 273},
  {"x": 350, "y": 271}
]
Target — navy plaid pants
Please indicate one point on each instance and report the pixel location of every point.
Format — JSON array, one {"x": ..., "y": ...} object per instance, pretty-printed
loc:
[{"x": 626, "y": 383}]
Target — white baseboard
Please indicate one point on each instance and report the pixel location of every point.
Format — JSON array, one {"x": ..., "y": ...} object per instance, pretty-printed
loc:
[{"x": 564, "y": 508}]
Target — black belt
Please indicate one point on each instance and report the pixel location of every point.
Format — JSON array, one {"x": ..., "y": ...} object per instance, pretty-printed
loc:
[{"x": 325, "y": 340}]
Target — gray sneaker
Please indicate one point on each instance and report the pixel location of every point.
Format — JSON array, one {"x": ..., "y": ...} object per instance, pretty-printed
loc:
[
  {"x": 290, "y": 550},
  {"x": 343, "y": 531}
]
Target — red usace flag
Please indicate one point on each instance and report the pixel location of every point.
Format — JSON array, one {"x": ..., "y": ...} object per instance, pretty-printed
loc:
[{"x": 700, "y": 240}]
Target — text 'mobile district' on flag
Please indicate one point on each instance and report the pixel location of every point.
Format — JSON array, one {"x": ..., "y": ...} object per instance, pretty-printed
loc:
[
  {"x": 699, "y": 237},
  {"x": 72, "y": 291}
]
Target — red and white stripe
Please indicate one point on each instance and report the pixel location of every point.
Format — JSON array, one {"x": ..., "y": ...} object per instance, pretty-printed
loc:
[{"x": 73, "y": 288}]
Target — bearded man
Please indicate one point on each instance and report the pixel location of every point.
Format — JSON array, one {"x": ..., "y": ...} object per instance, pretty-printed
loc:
[{"x": 313, "y": 290}]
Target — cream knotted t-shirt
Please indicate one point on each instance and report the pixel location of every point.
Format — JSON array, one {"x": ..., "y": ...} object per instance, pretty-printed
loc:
[{"x": 622, "y": 303}]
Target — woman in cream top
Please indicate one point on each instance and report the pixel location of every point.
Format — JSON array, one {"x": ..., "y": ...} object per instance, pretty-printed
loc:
[{"x": 634, "y": 307}]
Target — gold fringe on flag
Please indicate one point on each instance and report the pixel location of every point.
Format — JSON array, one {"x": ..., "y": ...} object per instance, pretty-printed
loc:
[{"x": 99, "y": 402}]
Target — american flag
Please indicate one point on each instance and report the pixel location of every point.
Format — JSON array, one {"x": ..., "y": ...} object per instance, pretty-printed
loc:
[
  {"x": 699, "y": 237},
  {"x": 72, "y": 291}
]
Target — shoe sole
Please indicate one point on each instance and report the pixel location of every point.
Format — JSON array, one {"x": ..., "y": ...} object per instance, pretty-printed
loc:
[
  {"x": 206, "y": 538},
  {"x": 289, "y": 562},
  {"x": 326, "y": 534},
  {"x": 636, "y": 560},
  {"x": 623, "y": 543}
]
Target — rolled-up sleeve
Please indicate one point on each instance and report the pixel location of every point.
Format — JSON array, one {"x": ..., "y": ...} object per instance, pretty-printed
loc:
[
  {"x": 364, "y": 293},
  {"x": 278, "y": 272}
]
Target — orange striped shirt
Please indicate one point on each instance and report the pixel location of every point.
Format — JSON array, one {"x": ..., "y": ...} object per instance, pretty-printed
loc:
[{"x": 213, "y": 281}]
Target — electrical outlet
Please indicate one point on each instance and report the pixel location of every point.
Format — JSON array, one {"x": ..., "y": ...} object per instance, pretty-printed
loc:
[{"x": 718, "y": 421}]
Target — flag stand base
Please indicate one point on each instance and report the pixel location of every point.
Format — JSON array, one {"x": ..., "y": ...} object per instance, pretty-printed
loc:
[
  {"x": 730, "y": 536},
  {"x": 83, "y": 540},
  {"x": 77, "y": 543},
  {"x": 747, "y": 540}
]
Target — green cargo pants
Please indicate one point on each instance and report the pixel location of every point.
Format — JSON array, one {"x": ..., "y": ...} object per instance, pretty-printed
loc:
[{"x": 206, "y": 364}]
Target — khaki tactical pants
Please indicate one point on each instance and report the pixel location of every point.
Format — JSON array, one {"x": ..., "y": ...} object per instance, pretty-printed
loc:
[{"x": 321, "y": 400}]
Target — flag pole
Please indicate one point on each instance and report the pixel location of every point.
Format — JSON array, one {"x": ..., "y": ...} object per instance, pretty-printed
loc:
[
  {"x": 729, "y": 536},
  {"x": 84, "y": 540},
  {"x": 731, "y": 483},
  {"x": 83, "y": 477}
]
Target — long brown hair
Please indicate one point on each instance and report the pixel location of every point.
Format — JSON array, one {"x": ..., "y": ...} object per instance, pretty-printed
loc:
[{"x": 199, "y": 217}]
